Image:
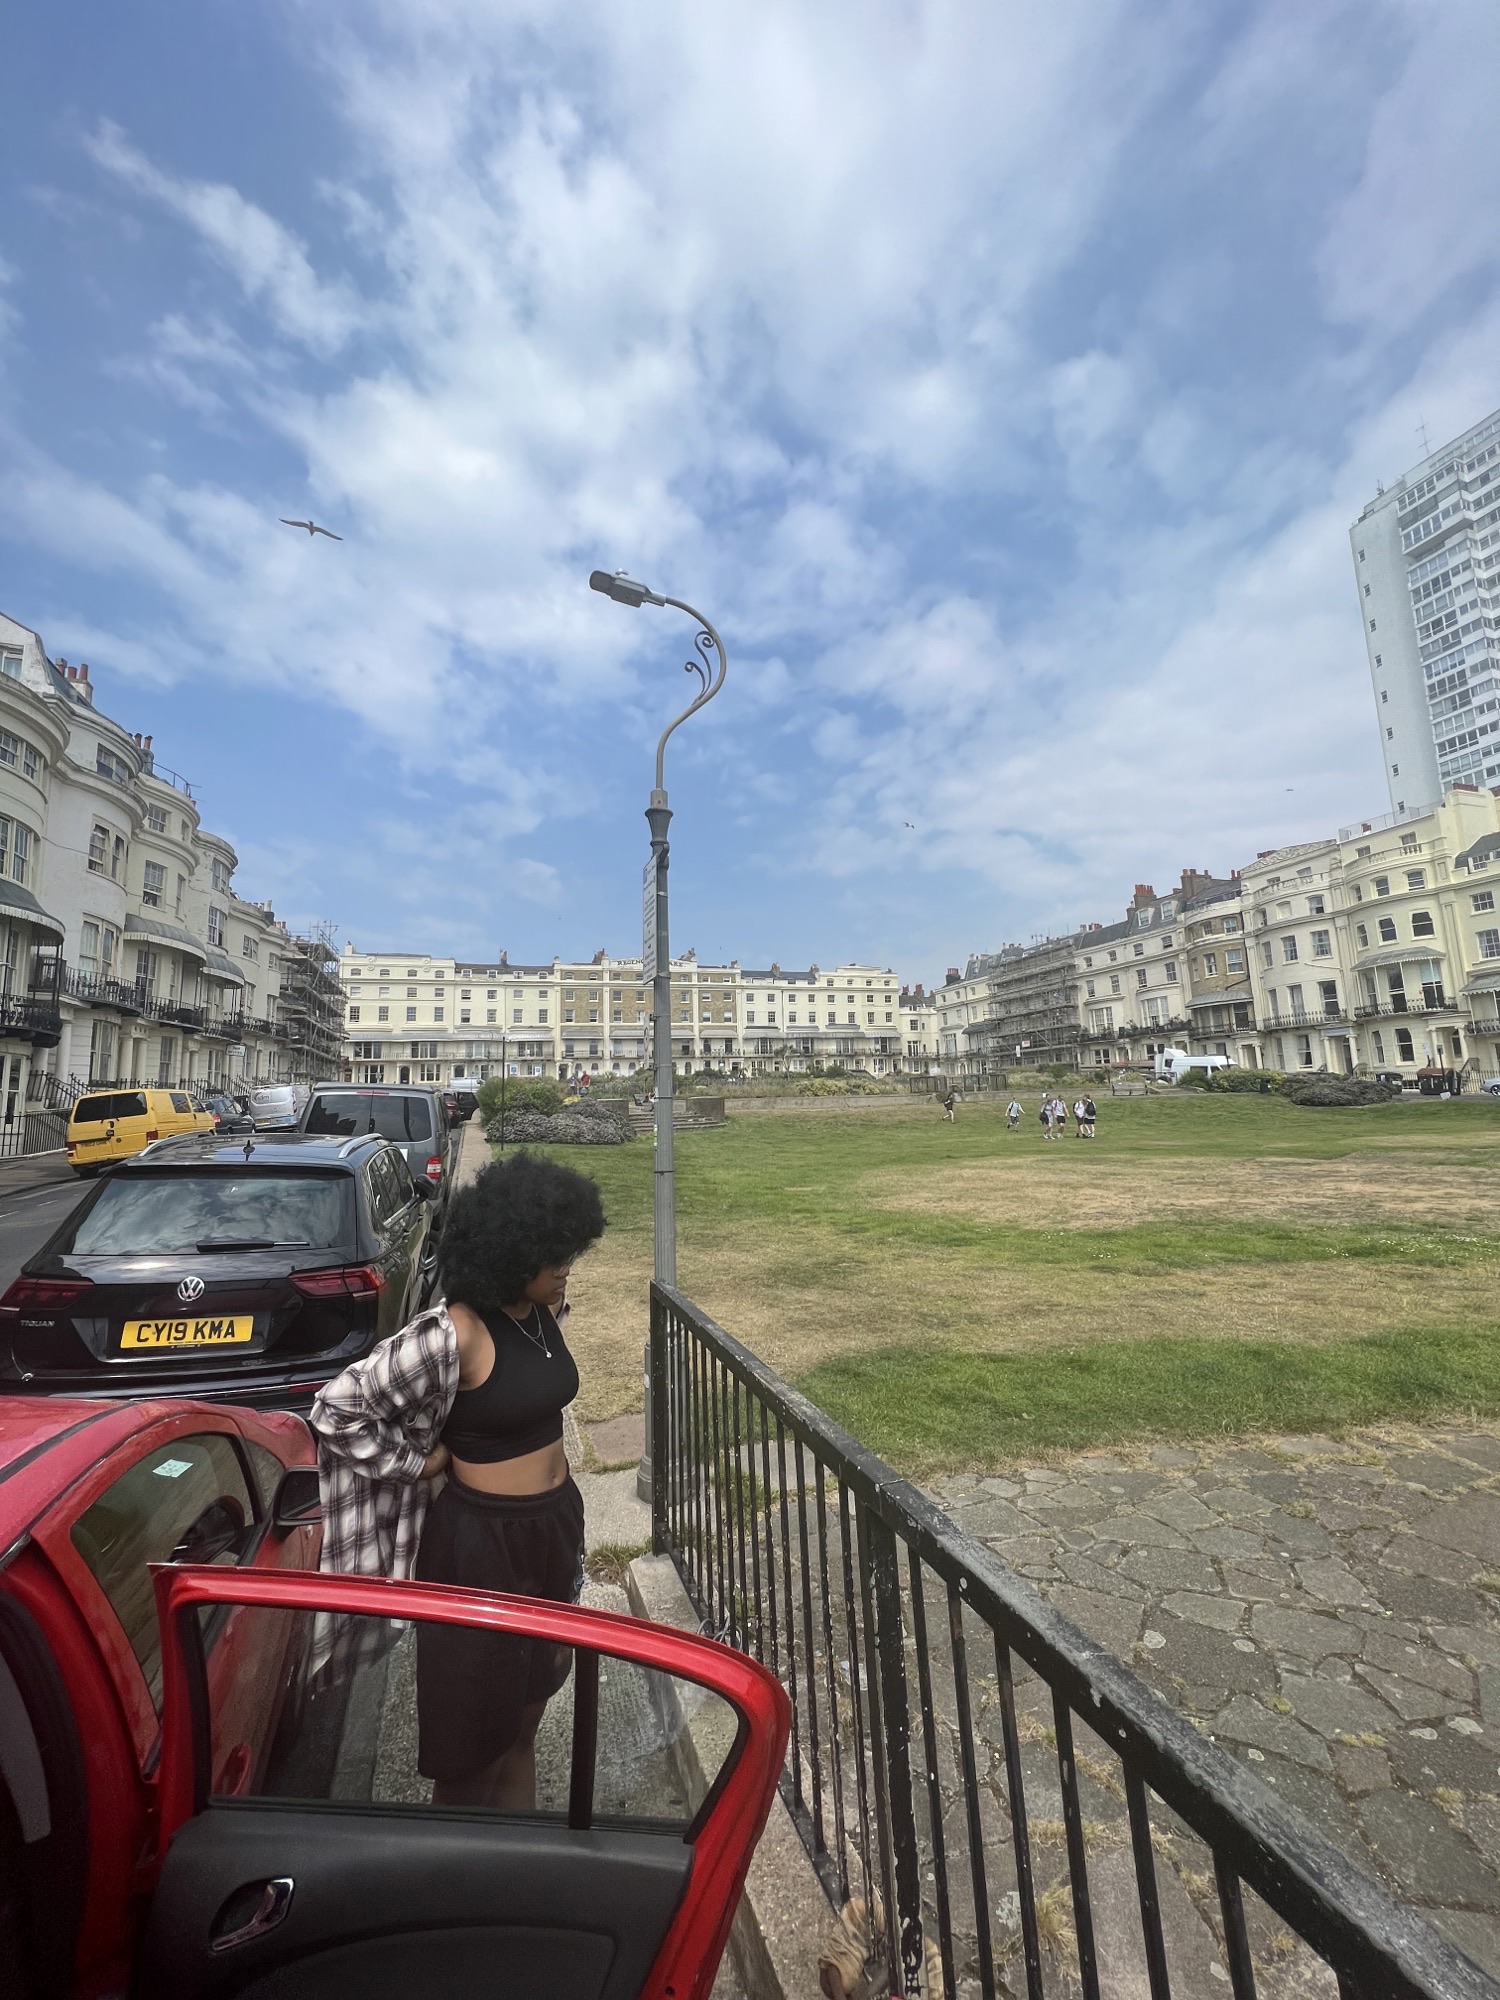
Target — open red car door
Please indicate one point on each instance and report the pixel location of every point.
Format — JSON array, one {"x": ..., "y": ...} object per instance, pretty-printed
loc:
[{"x": 307, "y": 1857}]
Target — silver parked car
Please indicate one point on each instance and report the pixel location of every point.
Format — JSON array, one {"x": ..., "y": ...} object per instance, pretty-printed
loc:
[
  {"x": 412, "y": 1116},
  {"x": 276, "y": 1107}
]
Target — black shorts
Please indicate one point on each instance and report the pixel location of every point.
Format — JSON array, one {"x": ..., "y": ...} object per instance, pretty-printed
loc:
[{"x": 473, "y": 1686}]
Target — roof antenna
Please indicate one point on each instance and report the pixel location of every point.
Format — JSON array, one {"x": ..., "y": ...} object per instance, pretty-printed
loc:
[
  {"x": 1422, "y": 434},
  {"x": 249, "y": 1147}
]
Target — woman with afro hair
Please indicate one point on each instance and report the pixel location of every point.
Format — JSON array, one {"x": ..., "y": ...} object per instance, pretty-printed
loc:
[{"x": 474, "y": 1390}]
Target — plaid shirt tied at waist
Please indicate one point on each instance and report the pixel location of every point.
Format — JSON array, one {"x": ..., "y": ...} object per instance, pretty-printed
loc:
[{"x": 375, "y": 1425}]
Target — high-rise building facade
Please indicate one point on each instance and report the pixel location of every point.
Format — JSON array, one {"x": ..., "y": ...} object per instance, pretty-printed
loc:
[{"x": 1427, "y": 567}]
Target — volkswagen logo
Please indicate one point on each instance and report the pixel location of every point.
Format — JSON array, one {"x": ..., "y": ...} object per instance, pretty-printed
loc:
[{"x": 190, "y": 1289}]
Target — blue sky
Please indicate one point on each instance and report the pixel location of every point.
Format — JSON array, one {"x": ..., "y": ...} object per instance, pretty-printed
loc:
[{"x": 1002, "y": 379}]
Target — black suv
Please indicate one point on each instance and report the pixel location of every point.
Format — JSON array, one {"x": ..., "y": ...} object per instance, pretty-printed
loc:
[{"x": 248, "y": 1271}]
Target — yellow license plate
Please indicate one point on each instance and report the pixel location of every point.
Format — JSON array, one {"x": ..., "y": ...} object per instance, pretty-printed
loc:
[{"x": 207, "y": 1332}]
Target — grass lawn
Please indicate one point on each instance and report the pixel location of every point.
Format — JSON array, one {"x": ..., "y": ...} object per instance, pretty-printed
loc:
[{"x": 960, "y": 1296}]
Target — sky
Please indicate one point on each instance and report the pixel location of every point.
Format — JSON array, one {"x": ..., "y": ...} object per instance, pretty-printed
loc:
[{"x": 1001, "y": 380}]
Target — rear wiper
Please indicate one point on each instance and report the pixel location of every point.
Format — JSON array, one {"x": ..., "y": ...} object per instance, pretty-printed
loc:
[{"x": 254, "y": 1243}]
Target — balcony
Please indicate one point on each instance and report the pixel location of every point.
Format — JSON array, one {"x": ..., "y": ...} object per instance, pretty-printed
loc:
[
  {"x": 32, "y": 1017},
  {"x": 1396, "y": 1004},
  {"x": 103, "y": 992},
  {"x": 225, "y": 1027},
  {"x": 1302, "y": 1017},
  {"x": 176, "y": 1015}
]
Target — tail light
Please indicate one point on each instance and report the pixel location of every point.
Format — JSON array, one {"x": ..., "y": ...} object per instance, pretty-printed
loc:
[
  {"x": 45, "y": 1294},
  {"x": 343, "y": 1281},
  {"x": 434, "y": 1168}
]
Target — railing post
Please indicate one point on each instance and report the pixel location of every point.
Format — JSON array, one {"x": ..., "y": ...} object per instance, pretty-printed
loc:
[
  {"x": 658, "y": 1439},
  {"x": 893, "y": 1748}
]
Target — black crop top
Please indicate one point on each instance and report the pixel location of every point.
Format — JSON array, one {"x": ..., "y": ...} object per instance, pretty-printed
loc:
[{"x": 518, "y": 1406}]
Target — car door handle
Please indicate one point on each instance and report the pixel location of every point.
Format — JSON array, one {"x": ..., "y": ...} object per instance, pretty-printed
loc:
[{"x": 275, "y": 1901}]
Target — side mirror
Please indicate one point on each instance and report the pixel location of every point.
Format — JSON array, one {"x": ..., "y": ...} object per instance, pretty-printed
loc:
[
  {"x": 428, "y": 1190},
  {"x": 298, "y": 1503}
]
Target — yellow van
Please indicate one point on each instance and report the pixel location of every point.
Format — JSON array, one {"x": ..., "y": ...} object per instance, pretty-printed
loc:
[{"x": 111, "y": 1125}]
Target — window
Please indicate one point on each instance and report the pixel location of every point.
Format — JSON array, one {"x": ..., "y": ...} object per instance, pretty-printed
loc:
[
  {"x": 250, "y": 947},
  {"x": 1377, "y": 1041},
  {"x": 1267, "y": 956},
  {"x": 1416, "y": 878},
  {"x": 1140, "y": 951},
  {"x": 181, "y": 892},
  {"x": 1322, "y": 944},
  {"x": 1170, "y": 969},
  {"x": 382, "y": 1013},
  {"x": 1316, "y": 906},
  {"x": 156, "y": 818},
  {"x": 354, "y": 1013},
  {"x": 10, "y": 662},
  {"x": 99, "y": 850},
  {"x": 108, "y": 765},
  {"x": 411, "y": 1013},
  {"x": 1422, "y": 924},
  {"x": 1408, "y": 843},
  {"x": 1382, "y": 885},
  {"x": 1114, "y": 982},
  {"x": 1289, "y": 950},
  {"x": 1362, "y": 936},
  {"x": 155, "y": 882},
  {"x": 218, "y": 873},
  {"x": 437, "y": 1013},
  {"x": 1328, "y": 993},
  {"x": 1211, "y": 964},
  {"x": 186, "y": 1501},
  {"x": 1403, "y": 1046},
  {"x": 463, "y": 1014},
  {"x": 1489, "y": 944},
  {"x": 1140, "y": 980},
  {"x": 21, "y": 852},
  {"x": 1088, "y": 989},
  {"x": 216, "y": 922},
  {"x": 1387, "y": 930},
  {"x": 1234, "y": 961},
  {"x": 1485, "y": 900}
]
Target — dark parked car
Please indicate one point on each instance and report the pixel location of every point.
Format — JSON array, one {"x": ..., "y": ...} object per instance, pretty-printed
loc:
[
  {"x": 230, "y": 1115},
  {"x": 411, "y": 1116},
  {"x": 466, "y": 1099},
  {"x": 248, "y": 1272}
]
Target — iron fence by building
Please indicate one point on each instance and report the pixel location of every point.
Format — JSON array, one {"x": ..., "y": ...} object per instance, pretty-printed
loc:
[{"x": 1029, "y": 1813}]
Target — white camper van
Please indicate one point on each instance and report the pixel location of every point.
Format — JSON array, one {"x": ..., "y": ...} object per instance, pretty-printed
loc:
[{"x": 1173, "y": 1064}]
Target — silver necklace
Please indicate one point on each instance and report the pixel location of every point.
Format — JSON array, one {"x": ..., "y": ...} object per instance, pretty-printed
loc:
[{"x": 538, "y": 1335}]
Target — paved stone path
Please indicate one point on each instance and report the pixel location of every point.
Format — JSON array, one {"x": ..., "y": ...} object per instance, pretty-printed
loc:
[{"x": 1328, "y": 1612}]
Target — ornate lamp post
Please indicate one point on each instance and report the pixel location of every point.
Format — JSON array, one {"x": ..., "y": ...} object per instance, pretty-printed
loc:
[{"x": 710, "y": 663}]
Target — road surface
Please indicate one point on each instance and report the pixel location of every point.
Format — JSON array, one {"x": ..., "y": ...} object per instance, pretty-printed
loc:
[{"x": 29, "y": 1218}]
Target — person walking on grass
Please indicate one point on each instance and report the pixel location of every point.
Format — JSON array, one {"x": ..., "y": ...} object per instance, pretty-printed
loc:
[
  {"x": 1078, "y": 1119},
  {"x": 948, "y": 1103},
  {"x": 1045, "y": 1114},
  {"x": 1059, "y": 1118},
  {"x": 1012, "y": 1115},
  {"x": 1090, "y": 1113}
]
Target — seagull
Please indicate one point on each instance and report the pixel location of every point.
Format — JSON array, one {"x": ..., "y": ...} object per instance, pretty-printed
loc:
[
  {"x": 907, "y": 822},
  {"x": 311, "y": 527}
]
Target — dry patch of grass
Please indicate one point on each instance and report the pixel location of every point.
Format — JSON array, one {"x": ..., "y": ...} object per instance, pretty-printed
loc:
[{"x": 1049, "y": 1190}]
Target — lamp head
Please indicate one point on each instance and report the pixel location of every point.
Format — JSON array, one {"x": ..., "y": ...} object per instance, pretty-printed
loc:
[{"x": 622, "y": 589}]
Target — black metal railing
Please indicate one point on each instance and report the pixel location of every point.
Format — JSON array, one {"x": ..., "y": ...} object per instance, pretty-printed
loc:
[
  {"x": 1030, "y": 1814},
  {"x": 1397, "y": 1003}
]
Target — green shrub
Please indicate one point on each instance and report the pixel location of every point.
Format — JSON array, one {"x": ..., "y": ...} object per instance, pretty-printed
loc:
[
  {"x": 522, "y": 1093},
  {"x": 1245, "y": 1079},
  {"x": 1324, "y": 1091}
]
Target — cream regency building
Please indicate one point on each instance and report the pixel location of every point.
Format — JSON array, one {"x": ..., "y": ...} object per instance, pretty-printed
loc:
[
  {"x": 1380, "y": 950},
  {"x": 410, "y": 1017},
  {"x": 126, "y": 953}
]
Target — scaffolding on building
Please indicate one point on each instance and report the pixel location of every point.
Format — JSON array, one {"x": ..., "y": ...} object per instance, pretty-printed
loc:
[{"x": 311, "y": 1006}]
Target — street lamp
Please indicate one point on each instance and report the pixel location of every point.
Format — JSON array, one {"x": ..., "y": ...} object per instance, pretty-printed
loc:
[{"x": 710, "y": 665}]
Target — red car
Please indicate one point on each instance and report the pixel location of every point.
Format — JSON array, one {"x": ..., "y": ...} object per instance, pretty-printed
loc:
[{"x": 207, "y": 1751}]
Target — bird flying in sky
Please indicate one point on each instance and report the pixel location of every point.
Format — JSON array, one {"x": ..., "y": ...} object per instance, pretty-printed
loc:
[{"x": 311, "y": 527}]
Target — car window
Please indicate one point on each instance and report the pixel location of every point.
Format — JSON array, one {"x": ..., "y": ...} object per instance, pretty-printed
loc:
[
  {"x": 401, "y": 1178},
  {"x": 166, "y": 1212},
  {"x": 343, "y": 1113},
  {"x": 180, "y": 1101},
  {"x": 383, "y": 1203},
  {"x": 186, "y": 1501},
  {"x": 110, "y": 1104}
]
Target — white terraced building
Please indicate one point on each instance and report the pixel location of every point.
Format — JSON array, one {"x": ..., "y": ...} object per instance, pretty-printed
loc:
[
  {"x": 1427, "y": 567},
  {"x": 411, "y": 1017},
  {"x": 126, "y": 954}
]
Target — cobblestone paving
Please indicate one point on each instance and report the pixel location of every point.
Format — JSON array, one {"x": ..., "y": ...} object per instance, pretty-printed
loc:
[{"x": 1329, "y": 1612}]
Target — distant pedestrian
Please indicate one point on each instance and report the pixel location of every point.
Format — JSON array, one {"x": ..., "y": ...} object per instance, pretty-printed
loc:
[
  {"x": 1090, "y": 1113},
  {"x": 1045, "y": 1114},
  {"x": 1059, "y": 1118},
  {"x": 1012, "y": 1115},
  {"x": 1078, "y": 1120},
  {"x": 948, "y": 1103}
]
